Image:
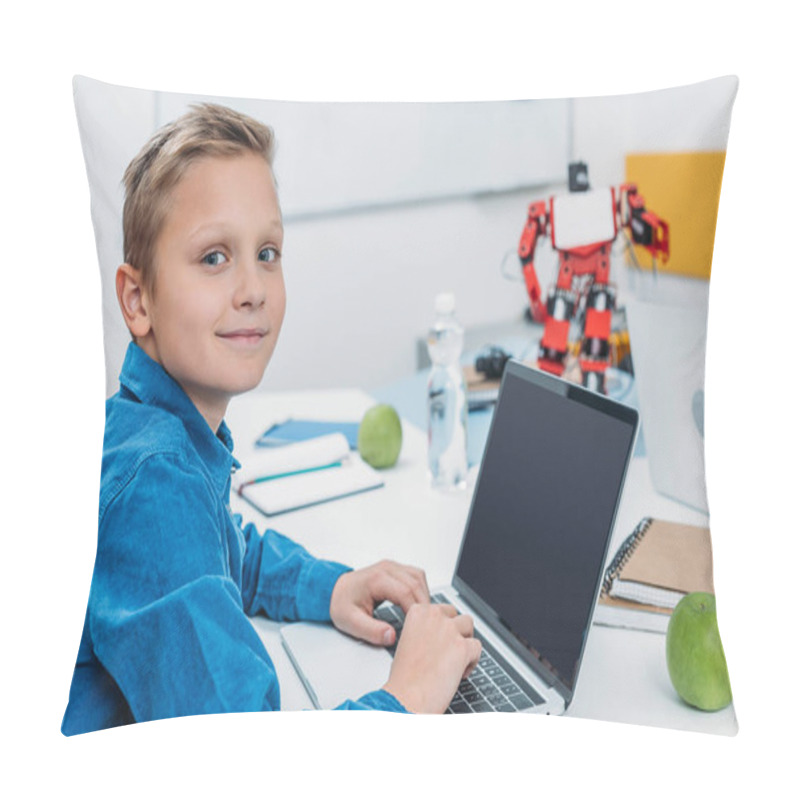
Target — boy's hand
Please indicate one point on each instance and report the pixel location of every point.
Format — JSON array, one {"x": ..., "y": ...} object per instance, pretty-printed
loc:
[
  {"x": 356, "y": 594},
  {"x": 436, "y": 650}
]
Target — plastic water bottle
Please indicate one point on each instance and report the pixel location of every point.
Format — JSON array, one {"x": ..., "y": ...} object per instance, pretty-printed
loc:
[{"x": 447, "y": 399}]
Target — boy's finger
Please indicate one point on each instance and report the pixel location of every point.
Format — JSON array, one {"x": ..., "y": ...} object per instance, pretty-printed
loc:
[
  {"x": 412, "y": 577},
  {"x": 395, "y": 590},
  {"x": 363, "y": 626},
  {"x": 474, "y": 649},
  {"x": 447, "y": 609},
  {"x": 422, "y": 592},
  {"x": 465, "y": 625}
]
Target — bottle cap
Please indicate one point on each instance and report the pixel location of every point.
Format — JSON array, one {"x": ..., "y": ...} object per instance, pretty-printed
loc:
[{"x": 445, "y": 303}]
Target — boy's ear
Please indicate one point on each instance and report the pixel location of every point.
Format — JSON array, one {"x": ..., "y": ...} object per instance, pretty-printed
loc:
[{"x": 132, "y": 298}]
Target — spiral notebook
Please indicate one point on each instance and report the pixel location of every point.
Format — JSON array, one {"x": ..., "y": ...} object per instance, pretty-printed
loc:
[{"x": 654, "y": 568}]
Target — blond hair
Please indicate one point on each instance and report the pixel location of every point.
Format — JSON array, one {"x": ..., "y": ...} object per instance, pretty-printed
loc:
[{"x": 206, "y": 130}]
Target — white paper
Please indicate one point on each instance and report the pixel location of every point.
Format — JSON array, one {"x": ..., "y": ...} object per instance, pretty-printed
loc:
[{"x": 272, "y": 461}]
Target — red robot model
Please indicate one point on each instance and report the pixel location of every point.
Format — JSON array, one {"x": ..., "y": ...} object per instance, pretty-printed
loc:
[{"x": 582, "y": 226}]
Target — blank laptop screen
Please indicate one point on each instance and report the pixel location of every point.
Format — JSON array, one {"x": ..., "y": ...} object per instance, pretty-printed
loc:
[{"x": 539, "y": 527}]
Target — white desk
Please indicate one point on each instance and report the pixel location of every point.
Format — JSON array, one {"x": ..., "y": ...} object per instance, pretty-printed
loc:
[{"x": 624, "y": 675}]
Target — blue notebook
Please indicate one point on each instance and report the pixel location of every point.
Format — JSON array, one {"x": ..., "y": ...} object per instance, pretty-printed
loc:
[{"x": 299, "y": 430}]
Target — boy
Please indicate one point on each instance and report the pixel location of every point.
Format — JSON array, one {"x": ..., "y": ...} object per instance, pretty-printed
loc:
[{"x": 202, "y": 293}]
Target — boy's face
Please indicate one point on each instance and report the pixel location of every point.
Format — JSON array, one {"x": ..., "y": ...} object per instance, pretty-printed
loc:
[{"x": 219, "y": 298}]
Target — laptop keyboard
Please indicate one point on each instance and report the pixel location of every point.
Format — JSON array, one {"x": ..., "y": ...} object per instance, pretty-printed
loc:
[{"x": 492, "y": 686}]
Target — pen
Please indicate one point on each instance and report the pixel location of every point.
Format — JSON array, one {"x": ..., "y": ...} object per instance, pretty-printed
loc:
[{"x": 294, "y": 472}]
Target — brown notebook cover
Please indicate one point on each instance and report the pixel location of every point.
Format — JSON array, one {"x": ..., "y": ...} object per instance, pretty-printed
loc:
[{"x": 664, "y": 554}]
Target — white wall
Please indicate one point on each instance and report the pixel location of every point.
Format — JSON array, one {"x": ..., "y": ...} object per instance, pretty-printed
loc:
[
  {"x": 361, "y": 286},
  {"x": 111, "y": 124},
  {"x": 344, "y": 156},
  {"x": 695, "y": 117}
]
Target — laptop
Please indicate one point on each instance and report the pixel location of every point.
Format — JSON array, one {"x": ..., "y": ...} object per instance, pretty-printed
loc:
[{"x": 531, "y": 558}]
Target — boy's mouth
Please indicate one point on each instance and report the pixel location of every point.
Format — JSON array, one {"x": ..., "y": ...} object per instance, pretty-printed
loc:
[{"x": 244, "y": 336}]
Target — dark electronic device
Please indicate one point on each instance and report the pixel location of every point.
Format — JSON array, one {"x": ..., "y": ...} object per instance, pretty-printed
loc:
[
  {"x": 492, "y": 363},
  {"x": 578, "y": 177}
]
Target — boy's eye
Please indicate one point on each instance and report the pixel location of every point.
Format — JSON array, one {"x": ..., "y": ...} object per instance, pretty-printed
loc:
[
  {"x": 269, "y": 254},
  {"x": 213, "y": 259}
]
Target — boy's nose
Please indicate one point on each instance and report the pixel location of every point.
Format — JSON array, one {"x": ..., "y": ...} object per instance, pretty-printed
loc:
[{"x": 250, "y": 289}]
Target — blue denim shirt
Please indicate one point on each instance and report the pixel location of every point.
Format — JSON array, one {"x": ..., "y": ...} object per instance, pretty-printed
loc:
[{"x": 166, "y": 631}]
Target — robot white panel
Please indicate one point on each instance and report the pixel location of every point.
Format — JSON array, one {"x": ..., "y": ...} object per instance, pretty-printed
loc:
[{"x": 583, "y": 218}]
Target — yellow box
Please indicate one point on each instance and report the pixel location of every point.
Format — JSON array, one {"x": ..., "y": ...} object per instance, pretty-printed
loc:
[{"x": 683, "y": 190}]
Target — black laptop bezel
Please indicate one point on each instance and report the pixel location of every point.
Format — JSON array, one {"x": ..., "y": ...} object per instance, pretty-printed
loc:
[{"x": 627, "y": 414}]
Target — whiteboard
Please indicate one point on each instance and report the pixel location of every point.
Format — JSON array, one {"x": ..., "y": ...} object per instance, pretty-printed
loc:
[{"x": 335, "y": 157}]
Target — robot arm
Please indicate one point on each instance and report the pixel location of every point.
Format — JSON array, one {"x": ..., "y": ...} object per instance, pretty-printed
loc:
[
  {"x": 647, "y": 229},
  {"x": 536, "y": 226}
]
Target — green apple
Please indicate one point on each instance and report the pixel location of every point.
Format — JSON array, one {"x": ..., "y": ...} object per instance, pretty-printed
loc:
[
  {"x": 695, "y": 658},
  {"x": 380, "y": 436}
]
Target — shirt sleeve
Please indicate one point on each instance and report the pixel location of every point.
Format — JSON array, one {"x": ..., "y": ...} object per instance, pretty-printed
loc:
[
  {"x": 168, "y": 620},
  {"x": 281, "y": 580},
  {"x": 165, "y": 614},
  {"x": 380, "y": 700}
]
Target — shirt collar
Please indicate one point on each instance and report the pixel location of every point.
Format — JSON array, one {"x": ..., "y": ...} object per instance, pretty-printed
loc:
[{"x": 151, "y": 384}]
